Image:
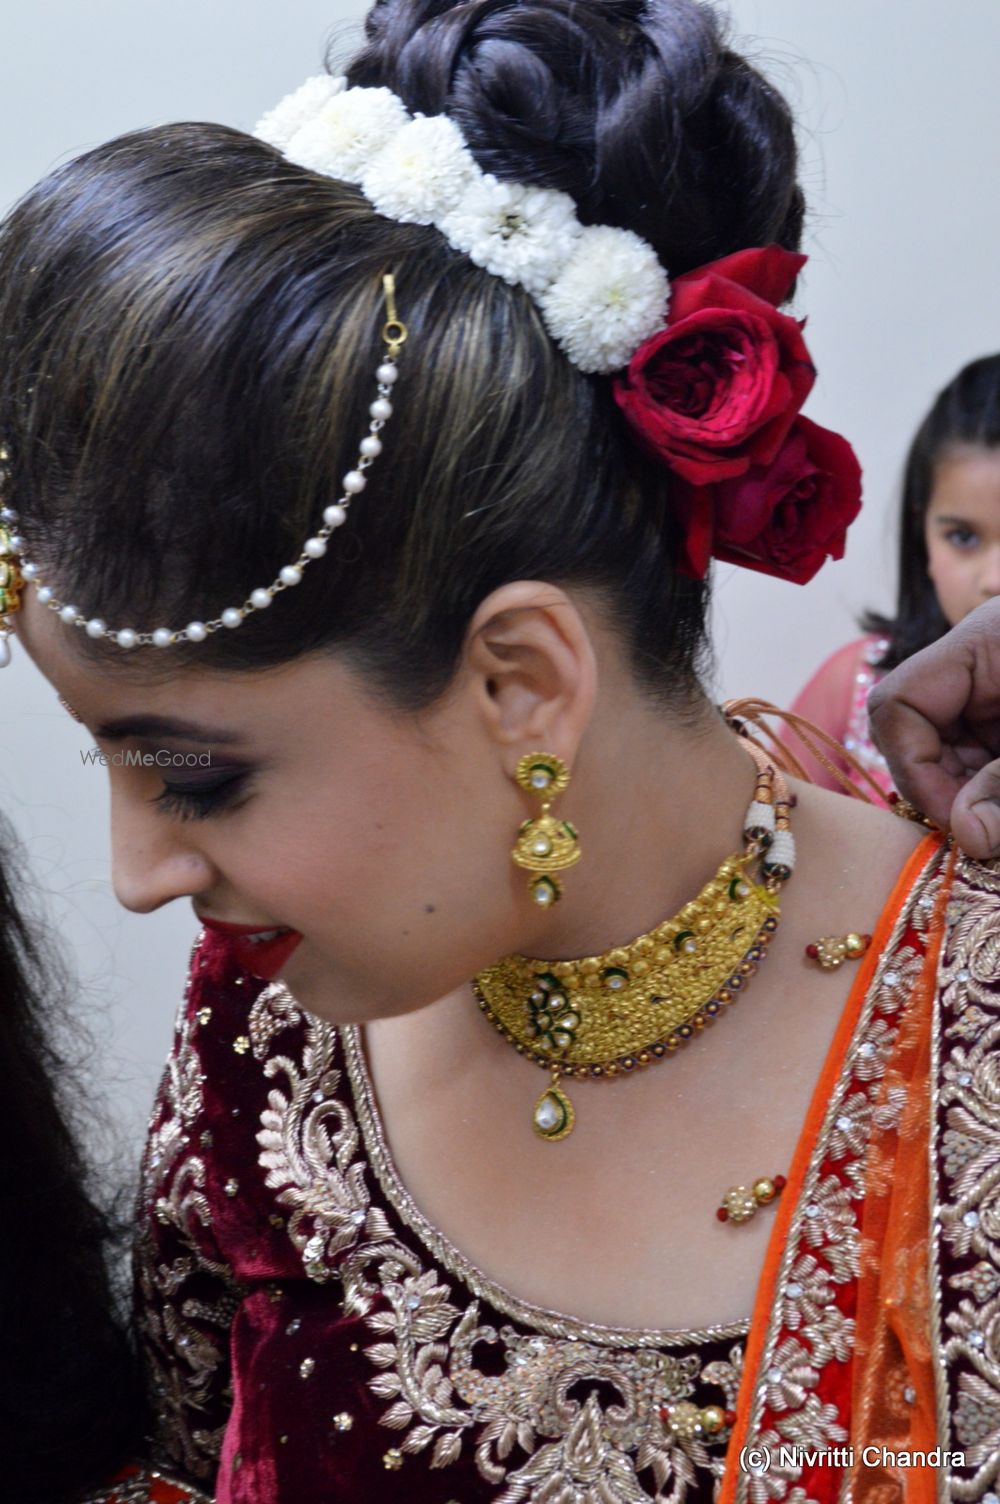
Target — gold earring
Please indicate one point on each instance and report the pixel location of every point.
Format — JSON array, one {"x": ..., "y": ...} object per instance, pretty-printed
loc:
[{"x": 545, "y": 845}]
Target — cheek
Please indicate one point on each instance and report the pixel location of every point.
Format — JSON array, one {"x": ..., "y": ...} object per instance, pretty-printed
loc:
[
  {"x": 953, "y": 576},
  {"x": 353, "y": 868}
]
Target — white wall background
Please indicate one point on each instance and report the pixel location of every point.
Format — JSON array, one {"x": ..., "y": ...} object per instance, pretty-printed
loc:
[{"x": 900, "y": 121}]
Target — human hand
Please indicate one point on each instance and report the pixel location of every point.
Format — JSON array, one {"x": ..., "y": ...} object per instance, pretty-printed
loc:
[{"x": 936, "y": 719}]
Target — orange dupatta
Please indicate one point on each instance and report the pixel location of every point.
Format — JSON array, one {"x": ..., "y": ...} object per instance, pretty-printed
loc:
[{"x": 893, "y": 1288}]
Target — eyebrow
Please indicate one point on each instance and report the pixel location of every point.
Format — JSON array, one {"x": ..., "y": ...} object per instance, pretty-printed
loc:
[
  {"x": 155, "y": 725},
  {"x": 948, "y": 521}
]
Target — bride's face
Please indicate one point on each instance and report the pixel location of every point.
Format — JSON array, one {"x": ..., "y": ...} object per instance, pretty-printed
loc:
[{"x": 382, "y": 839}]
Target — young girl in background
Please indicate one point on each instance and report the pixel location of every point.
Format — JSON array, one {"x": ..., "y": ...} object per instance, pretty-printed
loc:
[{"x": 949, "y": 561}]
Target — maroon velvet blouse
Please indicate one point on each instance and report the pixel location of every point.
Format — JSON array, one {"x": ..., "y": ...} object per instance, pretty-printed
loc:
[{"x": 312, "y": 1339}]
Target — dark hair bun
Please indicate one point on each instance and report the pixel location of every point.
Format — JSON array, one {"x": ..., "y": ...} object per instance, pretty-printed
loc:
[{"x": 634, "y": 107}]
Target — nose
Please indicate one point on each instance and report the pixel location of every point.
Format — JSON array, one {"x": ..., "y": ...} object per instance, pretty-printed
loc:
[{"x": 151, "y": 861}]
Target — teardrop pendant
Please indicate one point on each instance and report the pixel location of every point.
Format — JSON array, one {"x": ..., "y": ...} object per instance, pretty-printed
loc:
[{"x": 554, "y": 1115}]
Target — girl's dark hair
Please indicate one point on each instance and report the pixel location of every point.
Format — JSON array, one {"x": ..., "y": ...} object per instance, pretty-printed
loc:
[
  {"x": 966, "y": 411},
  {"x": 72, "y": 1409},
  {"x": 189, "y": 327}
]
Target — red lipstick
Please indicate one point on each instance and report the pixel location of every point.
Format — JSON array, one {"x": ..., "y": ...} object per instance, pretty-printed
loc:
[{"x": 259, "y": 950}]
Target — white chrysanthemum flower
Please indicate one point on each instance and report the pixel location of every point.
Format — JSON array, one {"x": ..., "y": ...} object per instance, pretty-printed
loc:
[
  {"x": 279, "y": 125},
  {"x": 610, "y": 296},
  {"x": 523, "y": 235},
  {"x": 421, "y": 173},
  {"x": 346, "y": 133}
]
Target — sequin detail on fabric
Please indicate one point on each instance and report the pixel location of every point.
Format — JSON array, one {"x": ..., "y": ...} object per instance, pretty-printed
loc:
[
  {"x": 968, "y": 1158},
  {"x": 519, "y": 1415},
  {"x": 186, "y": 1295},
  {"x": 803, "y": 1396}
]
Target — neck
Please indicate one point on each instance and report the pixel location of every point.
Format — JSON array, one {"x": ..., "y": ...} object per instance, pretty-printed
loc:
[{"x": 660, "y": 805}]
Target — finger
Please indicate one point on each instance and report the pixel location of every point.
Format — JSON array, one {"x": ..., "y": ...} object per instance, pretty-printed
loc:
[
  {"x": 975, "y": 816},
  {"x": 936, "y": 684},
  {"x": 922, "y": 772}
]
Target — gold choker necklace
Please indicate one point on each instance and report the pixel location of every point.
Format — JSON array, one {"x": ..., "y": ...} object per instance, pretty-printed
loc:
[{"x": 608, "y": 1015}]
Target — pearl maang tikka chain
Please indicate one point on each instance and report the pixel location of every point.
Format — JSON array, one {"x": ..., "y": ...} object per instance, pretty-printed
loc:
[{"x": 16, "y": 569}]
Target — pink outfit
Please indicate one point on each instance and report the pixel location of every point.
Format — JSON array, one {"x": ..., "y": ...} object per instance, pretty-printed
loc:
[{"x": 836, "y": 699}]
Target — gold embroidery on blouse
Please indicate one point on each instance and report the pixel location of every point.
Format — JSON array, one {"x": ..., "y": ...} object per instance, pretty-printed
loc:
[
  {"x": 822, "y": 1251},
  {"x": 139, "y": 1490},
  {"x": 530, "y": 1433},
  {"x": 185, "y": 1341},
  {"x": 967, "y": 1121}
]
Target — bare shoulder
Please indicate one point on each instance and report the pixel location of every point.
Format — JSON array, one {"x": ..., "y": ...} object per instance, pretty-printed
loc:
[{"x": 851, "y": 854}]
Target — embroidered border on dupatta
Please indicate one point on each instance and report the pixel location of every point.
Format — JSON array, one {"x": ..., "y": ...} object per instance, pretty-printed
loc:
[
  {"x": 965, "y": 1164},
  {"x": 796, "y": 1391}
]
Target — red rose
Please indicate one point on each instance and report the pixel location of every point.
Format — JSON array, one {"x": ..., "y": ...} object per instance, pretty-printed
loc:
[
  {"x": 787, "y": 518},
  {"x": 718, "y": 389}
]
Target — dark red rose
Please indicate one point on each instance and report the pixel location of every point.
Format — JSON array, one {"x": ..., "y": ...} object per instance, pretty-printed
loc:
[
  {"x": 693, "y": 509},
  {"x": 788, "y": 518},
  {"x": 718, "y": 389}
]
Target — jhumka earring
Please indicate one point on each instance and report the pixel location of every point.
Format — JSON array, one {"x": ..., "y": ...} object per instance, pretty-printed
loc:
[
  {"x": 545, "y": 845},
  {"x": 11, "y": 579}
]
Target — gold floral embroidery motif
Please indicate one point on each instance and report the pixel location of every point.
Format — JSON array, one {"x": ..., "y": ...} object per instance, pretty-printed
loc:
[
  {"x": 428, "y": 1335},
  {"x": 968, "y": 1157}
]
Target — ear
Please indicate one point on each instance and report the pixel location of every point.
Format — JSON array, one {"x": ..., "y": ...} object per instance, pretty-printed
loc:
[{"x": 533, "y": 669}]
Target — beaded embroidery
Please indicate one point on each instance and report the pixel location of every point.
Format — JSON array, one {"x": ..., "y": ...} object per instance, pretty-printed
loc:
[
  {"x": 968, "y": 1156},
  {"x": 525, "y": 1405}
]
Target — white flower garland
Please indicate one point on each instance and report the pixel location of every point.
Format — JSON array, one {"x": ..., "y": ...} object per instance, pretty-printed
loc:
[{"x": 601, "y": 290}]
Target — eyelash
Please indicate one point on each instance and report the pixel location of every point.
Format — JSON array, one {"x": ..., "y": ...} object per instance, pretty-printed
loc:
[
  {"x": 199, "y": 803},
  {"x": 960, "y": 537}
]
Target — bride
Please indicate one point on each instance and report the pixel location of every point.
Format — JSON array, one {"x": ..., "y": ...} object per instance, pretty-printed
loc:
[{"x": 549, "y": 1115}]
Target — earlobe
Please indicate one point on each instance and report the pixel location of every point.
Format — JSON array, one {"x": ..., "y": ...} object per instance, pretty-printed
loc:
[{"x": 535, "y": 669}]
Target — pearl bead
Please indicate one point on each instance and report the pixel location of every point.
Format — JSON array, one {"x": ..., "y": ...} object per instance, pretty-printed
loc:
[
  {"x": 335, "y": 516},
  {"x": 314, "y": 548},
  {"x": 30, "y": 571},
  {"x": 354, "y": 482},
  {"x": 126, "y": 638},
  {"x": 162, "y": 637},
  {"x": 232, "y": 616},
  {"x": 68, "y": 614},
  {"x": 387, "y": 374},
  {"x": 371, "y": 447},
  {"x": 196, "y": 631},
  {"x": 17, "y": 543},
  {"x": 713, "y": 1419},
  {"x": 45, "y": 595},
  {"x": 260, "y": 598},
  {"x": 95, "y": 627},
  {"x": 290, "y": 575},
  {"x": 547, "y": 1113},
  {"x": 7, "y": 515},
  {"x": 381, "y": 408}
]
